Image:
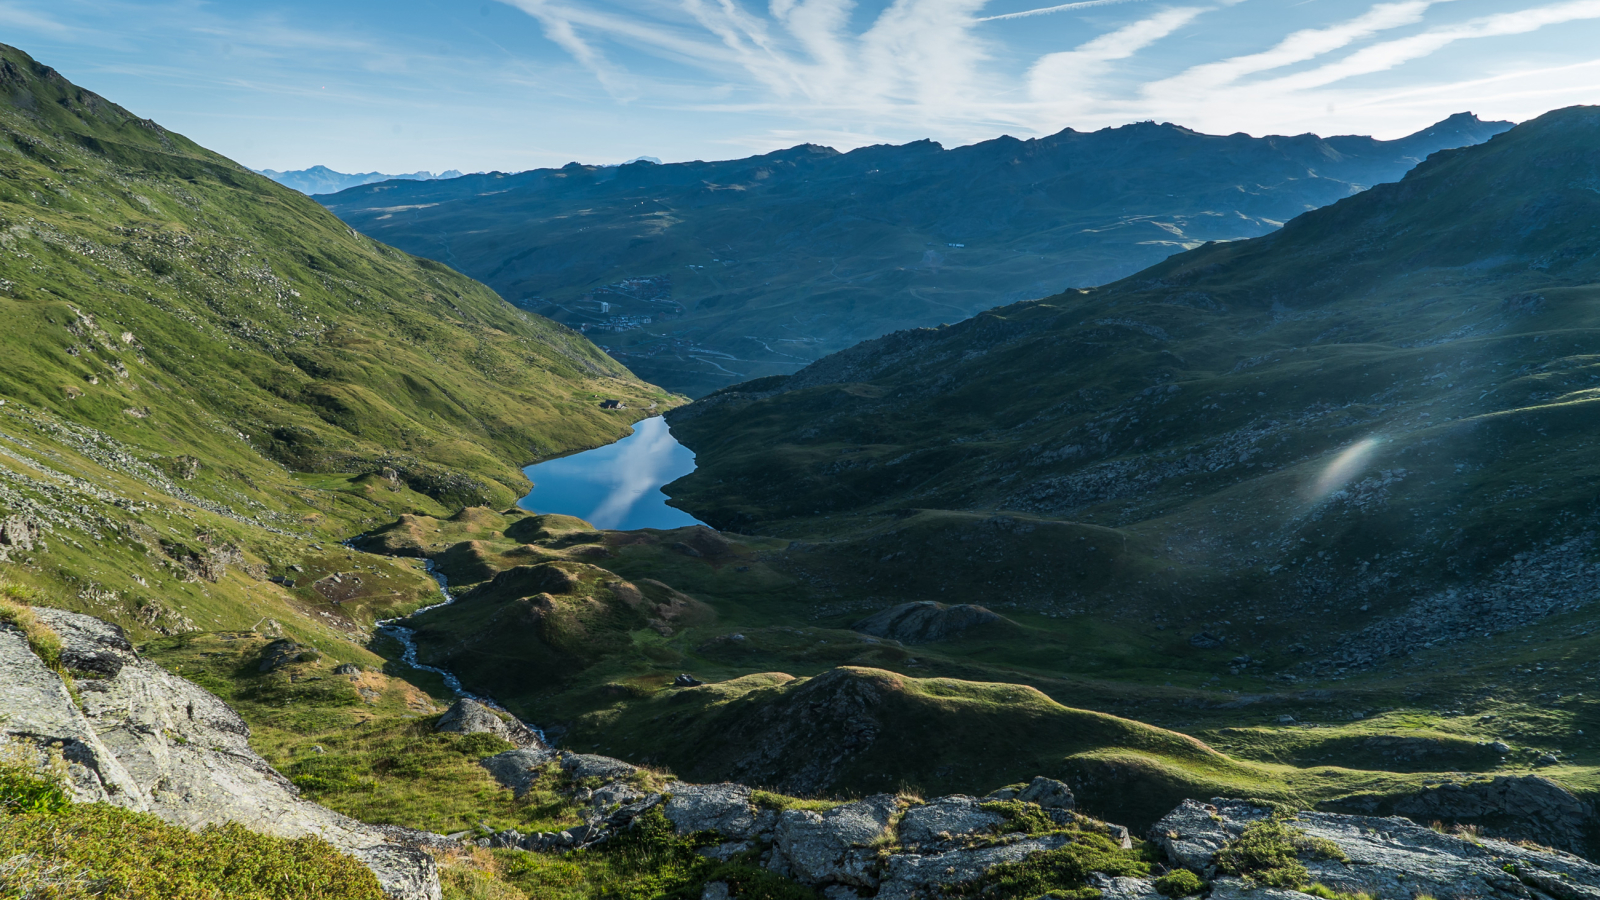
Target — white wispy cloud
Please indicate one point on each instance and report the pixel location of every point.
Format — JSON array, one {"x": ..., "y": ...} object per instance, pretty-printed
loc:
[
  {"x": 1201, "y": 80},
  {"x": 1064, "y": 82},
  {"x": 1251, "y": 92},
  {"x": 935, "y": 63},
  {"x": 15, "y": 16}
]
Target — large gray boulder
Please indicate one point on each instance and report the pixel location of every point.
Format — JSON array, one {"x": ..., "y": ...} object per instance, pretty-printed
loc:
[
  {"x": 723, "y": 808},
  {"x": 945, "y": 818},
  {"x": 925, "y": 621},
  {"x": 148, "y": 740},
  {"x": 468, "y": 716},
  {"x": 586, "y": 766},
  {"x": 833, "y": 847},
  {"x": 1048, "y": 793}
]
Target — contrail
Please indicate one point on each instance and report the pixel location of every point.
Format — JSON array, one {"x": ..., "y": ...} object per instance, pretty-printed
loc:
[{"x": 1082, "y": 4}]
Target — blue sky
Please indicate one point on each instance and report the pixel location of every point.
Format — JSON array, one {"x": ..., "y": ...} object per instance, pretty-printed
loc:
[{"x": 475, "y": 85}]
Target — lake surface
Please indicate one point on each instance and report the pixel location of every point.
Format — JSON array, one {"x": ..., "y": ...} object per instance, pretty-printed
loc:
[{"x": 617, "y": 486}]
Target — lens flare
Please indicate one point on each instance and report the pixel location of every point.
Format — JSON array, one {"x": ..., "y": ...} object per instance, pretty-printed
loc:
[{"x": 1344, "y": 467}]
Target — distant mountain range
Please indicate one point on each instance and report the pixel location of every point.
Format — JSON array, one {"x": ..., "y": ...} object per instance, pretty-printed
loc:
[
  {"x": 702, "y": 274},
  {"x": 323, "y": 180}
]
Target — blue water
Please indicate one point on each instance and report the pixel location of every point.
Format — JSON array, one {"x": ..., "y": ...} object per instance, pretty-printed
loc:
[{"x": 617, "y": 486}]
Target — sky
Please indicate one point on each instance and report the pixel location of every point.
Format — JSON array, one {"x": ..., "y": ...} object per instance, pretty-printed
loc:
[{"x": 479, "y": 85}]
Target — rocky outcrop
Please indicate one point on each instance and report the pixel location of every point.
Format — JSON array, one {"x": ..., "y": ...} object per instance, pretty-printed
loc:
[
  {"x": 1384, "y": 857},
  {"x": 145, "y": 739},
  {"x": 724, "y": 808},
  {"x": 893, "y": 848},
  {"x": 1512, "y": 807},
  {"x": 925, "y": 621},
  {"x": 910, "y": 876},
  {"x": 468, "y": 716},
  {"x": 284, "y": 652},
  {"x": 833, "y": 847}
]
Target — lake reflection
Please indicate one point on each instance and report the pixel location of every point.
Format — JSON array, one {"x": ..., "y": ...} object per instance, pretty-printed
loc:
[{"x": 617, "y": 486}]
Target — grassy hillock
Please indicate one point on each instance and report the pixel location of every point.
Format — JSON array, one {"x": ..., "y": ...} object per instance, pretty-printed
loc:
[
  {"x": 210, "y": 379},
  {"x": 758, "y": 266}
]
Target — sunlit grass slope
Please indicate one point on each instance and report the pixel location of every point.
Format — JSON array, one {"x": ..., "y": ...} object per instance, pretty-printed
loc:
[{"x": 207, "y": 375}]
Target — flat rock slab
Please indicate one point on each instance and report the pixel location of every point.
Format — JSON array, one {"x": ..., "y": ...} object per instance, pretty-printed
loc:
[
  {"x": 1384, "y": 857},
  {"x": 1124, "y": 888},
  {"x": 582, "y": 766}
]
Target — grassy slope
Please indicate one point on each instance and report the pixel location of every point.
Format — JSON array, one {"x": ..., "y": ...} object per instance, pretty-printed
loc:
[
  {"x": 208, "y": 375},
  {"x": 782, "y": 258}
]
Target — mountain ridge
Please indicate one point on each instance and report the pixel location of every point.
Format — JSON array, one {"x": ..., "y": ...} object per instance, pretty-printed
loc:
[{"x": 757, "y": 266}]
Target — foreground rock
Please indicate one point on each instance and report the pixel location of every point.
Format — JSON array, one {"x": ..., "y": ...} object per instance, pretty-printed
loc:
[
  {"x": 150, "y": 741},
  {"x": 1384, "y": 857},
  {"x": 925, "y": 621}
]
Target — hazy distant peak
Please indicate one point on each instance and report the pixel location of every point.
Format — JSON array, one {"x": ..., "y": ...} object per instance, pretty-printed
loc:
[{"x": 323, "y": 180}]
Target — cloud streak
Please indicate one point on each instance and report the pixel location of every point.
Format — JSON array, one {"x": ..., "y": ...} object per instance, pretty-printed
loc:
[
  {"x": 1065, "y": 7},
  {"x": 937, "y": 64}
]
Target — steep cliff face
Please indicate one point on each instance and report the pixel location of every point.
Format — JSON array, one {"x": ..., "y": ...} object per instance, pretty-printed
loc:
[{"x": 134, "y": 735}]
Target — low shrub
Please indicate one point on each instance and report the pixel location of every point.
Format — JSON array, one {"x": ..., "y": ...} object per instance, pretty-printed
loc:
[
  {"x": 1027, "y": 818},
  {"x": 1179, "y": 883},
  {"x": 1268, "y": 853}
]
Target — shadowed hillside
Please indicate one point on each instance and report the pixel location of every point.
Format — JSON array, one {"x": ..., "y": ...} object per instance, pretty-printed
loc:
[
  {"x": 207, "y": 375},
  {"x": 1356, "y": 438}
]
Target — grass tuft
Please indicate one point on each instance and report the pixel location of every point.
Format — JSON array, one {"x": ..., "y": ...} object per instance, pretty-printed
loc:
[{"x": 15, "y": 601}]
